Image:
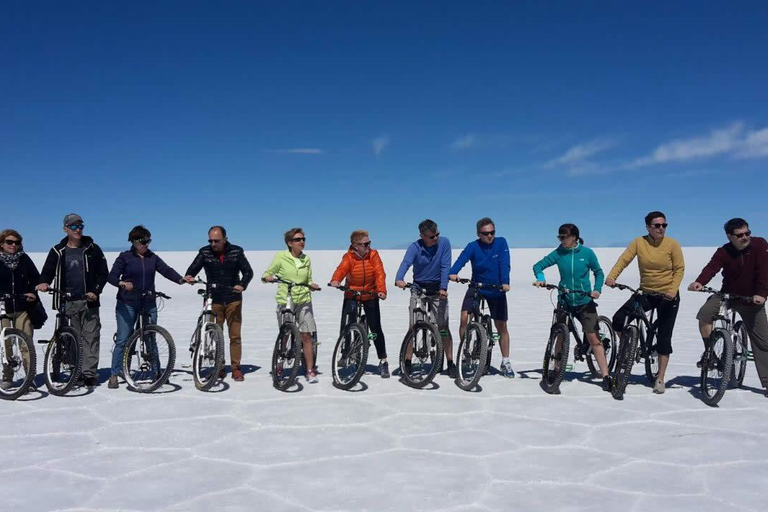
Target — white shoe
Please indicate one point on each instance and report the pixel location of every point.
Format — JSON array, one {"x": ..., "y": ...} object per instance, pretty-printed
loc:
[
  {"x": 5, "y": 384},
  {"x": 507, "y": 371}
]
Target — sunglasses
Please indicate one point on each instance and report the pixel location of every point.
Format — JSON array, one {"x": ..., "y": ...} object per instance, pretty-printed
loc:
[
  {"x": 664, "y": 225},
  {"x": 487, "y": 233},
  {"x": 76, "y": 227},
  {"x": 433, "y": 236},
  {"x": 212, "y": 241},
  {"x": 299, "y": 239},
  {"x": 563, "y": 237},
  {"x": 12, "y": 242},
  {"x": 742, "y": 235},
  {"x": 144, "y": 241},
  {"x": 364, "y": 244}
]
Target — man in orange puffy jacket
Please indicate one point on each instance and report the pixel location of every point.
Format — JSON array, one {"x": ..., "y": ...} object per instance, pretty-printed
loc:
[{"x": 364, "y": 271}]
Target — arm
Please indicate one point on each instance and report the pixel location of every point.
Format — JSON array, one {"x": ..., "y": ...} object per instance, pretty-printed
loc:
[
  {"x": 410, "y": 256},
  {"x": 445, "y": 265},
  {"x": 625, "y": 259},
  {"x": 342, "y": 270},
  {"x": 102, "y": 271},
  {"x": 49, "y": 267},
  {"x": 246, "y": 271},
  {"x": 274, "y": 268},
  {"x": 712, "y": 268},
  {"x": 544, "y": 263},
  {"x": 381, "y": 275},
  {"x": 678, "y": 268},
  {"x": 196, "y": 266},
  {"x": 505, "y": 264},
  {"x": 117, "y": 271},
  {"x": 597, "y": 270},
  {"x": 167, "y": 272},
  {"x": 33, "y": 276},
  {"x": 761, "y": 279},
  {"x": 462, "y": 260}
]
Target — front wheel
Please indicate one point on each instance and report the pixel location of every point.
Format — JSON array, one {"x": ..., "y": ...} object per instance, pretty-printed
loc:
[
  {"x": 148, "y": 359},
  {"x": 350, "y": 356},
  {"x": 471, "y": 356},
  {"x": 63, "y": 361},
  {"x": 717, "y": 367},
  {"x": 421, "y": 354},
  {"x": 19, "y": 360},
  {"x": 286, "y": 357},
  {"x": 625, "y": 358},
  {"x": 208, "y": 357},
  {"x": 607, "y": 337},
  {"x": 555, "y": 358},
  {"x": 740, "y": 351}
]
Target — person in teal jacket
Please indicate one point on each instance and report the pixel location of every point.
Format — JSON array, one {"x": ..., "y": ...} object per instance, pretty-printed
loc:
[
  {"x": 294, "y": 266},
  {"x": 575, "y": 262}
]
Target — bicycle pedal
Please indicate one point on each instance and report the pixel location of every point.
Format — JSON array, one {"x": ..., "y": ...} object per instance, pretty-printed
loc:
[{"x": 43, "y": 342}]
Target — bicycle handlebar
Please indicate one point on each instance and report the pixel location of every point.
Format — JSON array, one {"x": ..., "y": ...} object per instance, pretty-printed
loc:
[
  {"x": 475, "y": 284},
  {"x": 565, "y": 290},
  {"x": 154, "y": 294},
  {"x": 640, "y": 292},
  {"x": 357, "y": 293},
  {"x": 725, "y": 295},
  {"x": 290, "y": 283},
  {"x": 52, "y": 291},
  {"x": 200, "y": 281}
]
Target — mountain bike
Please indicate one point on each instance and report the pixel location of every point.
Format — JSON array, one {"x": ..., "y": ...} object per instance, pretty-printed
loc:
[
  {"x": 288, "y": 354},
  {"x": 63, "y": 362},
  {"x": 563, "y": 325},
  {"x": 725, "y": 354},
  {"x": 207, "y": 344},
  {"x": 350, "y": 354},
  {"x": 636, "y": 342},
  {"x": 421, "y": 353},
  {"x": 476, "y": 346},
  {"x": 17, "y": 355},
  {"x": 150, "y": 352}
]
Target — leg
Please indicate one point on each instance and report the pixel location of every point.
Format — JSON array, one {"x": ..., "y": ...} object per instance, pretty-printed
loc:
[
  {"x": 126, "y": 319},
  {"x": 24, "y": 324},
  {"x": 755, "y": 321},
  {"x": 445, "y": 331},
  {"x": 588, "y": 318},
  {"x": 91, "y": 334},
  {"x": 706, "y": 313},
  {"x": 667, "y": 314},
  {"x": 373, "y": 317},
  {"x": 234, "y": 317}
]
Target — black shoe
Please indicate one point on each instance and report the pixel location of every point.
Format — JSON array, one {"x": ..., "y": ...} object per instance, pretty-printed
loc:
[
  {"x": 607, "y": 383},
  {"x": 452, "y": 373},
  {"x": 700, "y": 363},
  {"x": 91, "y": 382},
  {"x": 384, "y": 369},
  {"x": 407, "y": 365}
]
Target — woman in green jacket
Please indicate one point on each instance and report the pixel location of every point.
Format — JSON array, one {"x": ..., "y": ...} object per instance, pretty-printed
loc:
[
  {"x": 294, "y": 266},
  {"x": 575, "y": 262}
]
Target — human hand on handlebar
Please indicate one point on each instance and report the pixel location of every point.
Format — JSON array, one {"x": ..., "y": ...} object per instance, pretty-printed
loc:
[
  {"x": 400, "y": 284},
  {"x": 334, "y": 284},
  {"x": 610, "y": 282},
  {"x": 454, "y": 278},
  {"x": 238, "y": 288},
  {"x": 443, "y": 294},
  {"x": 505, "y": 287},
  {"x": 759, "y": 300},
  {"x": 539, "y": 284},
  {"x": 695, "y": 286},
  {"x": 595, "y": 295},
  {"x": 315, "y": 286},
  {"x": 126, "y": 285}
]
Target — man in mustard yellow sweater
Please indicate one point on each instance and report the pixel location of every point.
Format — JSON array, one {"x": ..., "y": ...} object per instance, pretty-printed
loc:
[{"x": 660, "y": 260}]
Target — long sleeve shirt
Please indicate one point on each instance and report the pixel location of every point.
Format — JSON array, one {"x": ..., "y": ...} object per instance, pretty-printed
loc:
[
  {"x": 429, "y": 266},
  {"x": 744, "y": 272},
  {"x": 661, "y": 264},
  {"x": 490, "y": 263}
]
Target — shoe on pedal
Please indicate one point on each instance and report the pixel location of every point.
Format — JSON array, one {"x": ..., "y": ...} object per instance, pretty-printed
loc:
[
  {"x": 384, "y": 369},
  {"x": 607, "y": 383},
  {"x": 452, "y": 372},
  {"x": 506, "y": 369},
  {"x": 113, "y": 382},
  {"x": 312, "y": 376},
  {"x": 700, "y": 363}
]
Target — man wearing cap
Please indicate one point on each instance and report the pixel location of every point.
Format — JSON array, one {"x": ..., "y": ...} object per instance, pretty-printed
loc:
[{"x": 78, "y": 266}]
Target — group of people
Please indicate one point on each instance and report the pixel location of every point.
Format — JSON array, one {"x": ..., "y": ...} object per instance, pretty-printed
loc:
[{"x": 77, "y": 266}]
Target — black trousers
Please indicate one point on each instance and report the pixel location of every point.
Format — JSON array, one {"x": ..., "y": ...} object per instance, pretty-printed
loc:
[
  {"x": 372, "y": 316},
  {"x": 666, "y": 313}
]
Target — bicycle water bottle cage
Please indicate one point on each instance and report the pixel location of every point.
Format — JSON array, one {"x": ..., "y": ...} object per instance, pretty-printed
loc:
[
  {"x": 372, "y": 336},
  {"x": 495, "y": 336},
  {"x": 443, "y": 333}
]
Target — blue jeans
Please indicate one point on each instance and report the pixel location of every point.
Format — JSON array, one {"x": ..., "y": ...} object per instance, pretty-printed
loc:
[{"x": 126, "y": 322}]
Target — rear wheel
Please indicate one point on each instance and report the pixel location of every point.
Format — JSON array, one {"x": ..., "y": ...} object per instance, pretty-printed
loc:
[
  {"x": 63, "y": 361},
  {"x": 350, "y": 356},
  {"x": 651, "y": 362},
  {"x": 472, "y": 356},
  {"x": 425, "y": 347},
  {"x": 607, "y": 337},
  {"x": 19, "y": 360},
  {"x": 555, "y": 358},
  {"x": 717, "y": 367},
  {"x": 625, "y": 358},
  {"x": 286, "y": 357},
  {"x": 148, "y": 359},
  {"x": 208, "y": 357},
  {"x": 740, "y": 351}
]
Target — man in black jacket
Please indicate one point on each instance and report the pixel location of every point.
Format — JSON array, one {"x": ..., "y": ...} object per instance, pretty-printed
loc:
[
  {"x": 227, "y": 267},
  {"x": 78, "y": 266}
]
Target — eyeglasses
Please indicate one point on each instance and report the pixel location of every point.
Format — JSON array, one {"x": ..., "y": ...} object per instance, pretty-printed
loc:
[
  {"x": 299, "y": 239},
  {"x": 487, "y": 233},
  {"x": 8, "y": 241},
  {"x": 742, "y": 235},
  {"x": 143, "y": 241},
  {"x": 76, "y": 227},
  {"x": 433, "y": 236},
  {"x": 664, "y": 225},
  {"x": 212, "y": 241},
  {"x": 364, "y": 244},
  {"x": 563, "y": 237}
]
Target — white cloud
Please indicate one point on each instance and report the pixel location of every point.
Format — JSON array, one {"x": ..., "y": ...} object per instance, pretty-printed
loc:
[
  {"x": 755, "y": 145},
  {"x": 380, "y": 144},
  {"x": 581, "y": 152},
  {"x": 718, "y": 142},
  {"x": 298, "y": 151},
  {"x": 464, "y": 142}
]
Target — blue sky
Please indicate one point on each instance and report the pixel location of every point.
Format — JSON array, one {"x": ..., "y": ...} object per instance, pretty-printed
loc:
[{"x": 338, "y": 115}]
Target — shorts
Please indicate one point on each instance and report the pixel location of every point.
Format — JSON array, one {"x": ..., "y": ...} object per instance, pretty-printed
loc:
[
  {"x": 440, "y": 305},
  {"x": 497, "y": 306},
  {"x": 586, "y": 315},
  {"x": 305, "y": 317}
]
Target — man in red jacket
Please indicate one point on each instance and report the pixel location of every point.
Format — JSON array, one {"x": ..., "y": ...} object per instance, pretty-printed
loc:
[{"x": 744, "y": 261}]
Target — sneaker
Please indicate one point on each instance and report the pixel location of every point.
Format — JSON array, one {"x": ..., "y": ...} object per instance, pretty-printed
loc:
[
  {"x": 237, "y": 375},
  {"x": 91, "y": 382},
  {"x": 507, "y": 371},
  {"x": 408, "y": 368},
  {"x": 223, "y": 373},
  {"x": 607, "y": 383},
  {"x": 659, "y": 387},
  {"x": 113, "y": 382},
  {"x": 384, "y": 369},
  {"x": 452, "y": 372},
  {"x": 312, "y": 376},
  {"x": 5, "y": 384}
]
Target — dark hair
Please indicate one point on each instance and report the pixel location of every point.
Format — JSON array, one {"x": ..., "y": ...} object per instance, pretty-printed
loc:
[
  {"x": 653, "y": 215},
  {"x": 11, "y": 232},
  {"x": 570, "y": 229},
  {"x": 734, "y": 224},
  {"x": 292, "y": 233},
  {"x": 484, "y": 222},
  {"x": 138, "y": 232},
  {"x": 220, "y": 228},
  {"x": 426, "y": 226}
]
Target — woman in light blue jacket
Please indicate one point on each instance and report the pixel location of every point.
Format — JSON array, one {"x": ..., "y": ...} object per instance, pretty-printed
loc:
[{"x": 575, "y": 262}]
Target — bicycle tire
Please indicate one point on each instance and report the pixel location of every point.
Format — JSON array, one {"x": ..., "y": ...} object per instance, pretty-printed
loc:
[
  {"x": 208, "y": 357},
  {"x": 625, "y": 358},
  {"x": 607, "y": 337},
  {"x": 63, "y": 361},
  {"x": 350, "y": 356},
  {"x": 18, "y": 373},
  {"x": 286, "y": 351},
  {"x": 427, "y": 347},
  {"x": 555, "y": 360},
  {"x": 488, "y": 329},
  {"x": 471, "y": 356},
  {"x": 148, "y": 361},
  {"x": 717, "y": 367},
  {"x": 740, "y": 351}
]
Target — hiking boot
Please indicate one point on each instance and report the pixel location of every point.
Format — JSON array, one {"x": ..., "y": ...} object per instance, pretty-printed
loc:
[
  {"x": 659, "y": 387},
  {"x": 506, "y": 370},
  {"x": 222, "y": 373},
  {"x": 91, "y": 382},
  {"x": 607, "y": 383},
  {"x": 384, "y": 369},
  {"x": 452, "y": 372},
  {"x": 312, "y": 376},
  {"x": 237, "y": 375},
  {"x": 113, "y": 382}
]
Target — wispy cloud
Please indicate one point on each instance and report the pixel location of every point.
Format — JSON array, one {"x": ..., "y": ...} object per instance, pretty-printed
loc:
[
  {"x": 465, "y": 142},
  {"x": 297, "y": 151},
  {"x": 581, "y": 152},
  {"x": 379, "y": 144},
  {"x": 755, "y": 145}
]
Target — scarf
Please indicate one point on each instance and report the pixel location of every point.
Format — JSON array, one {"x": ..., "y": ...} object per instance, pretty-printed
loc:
[{"x": 11, "y": 260}]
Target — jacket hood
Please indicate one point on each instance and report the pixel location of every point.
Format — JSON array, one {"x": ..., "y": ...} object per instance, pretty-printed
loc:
[{"x": 87, "y": 243}]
